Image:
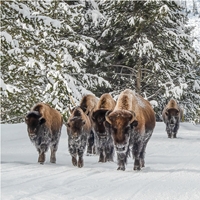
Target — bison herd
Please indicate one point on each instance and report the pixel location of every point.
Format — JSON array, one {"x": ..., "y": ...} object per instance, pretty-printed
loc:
[{"x": 102, "y": 126}]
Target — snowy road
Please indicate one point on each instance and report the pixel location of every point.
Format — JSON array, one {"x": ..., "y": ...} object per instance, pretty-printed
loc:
[{"x": 172, "y": 170}]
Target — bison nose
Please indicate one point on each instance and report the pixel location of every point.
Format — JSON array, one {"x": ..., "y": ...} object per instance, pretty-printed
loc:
[
  {"x": 120, "y": 148},
  {"x": 32, "y": 131}
]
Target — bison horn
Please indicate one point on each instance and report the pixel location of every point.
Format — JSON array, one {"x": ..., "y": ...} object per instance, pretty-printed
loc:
[
  {"x": 107, "y": 117},
  {"x": 133, "y": 116}
]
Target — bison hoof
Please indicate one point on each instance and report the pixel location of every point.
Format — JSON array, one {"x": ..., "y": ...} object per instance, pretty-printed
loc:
[
  {"x": 80, "y": 164},
  {"x": 89, "y": 151},
  {"x": 103, "y": 160},
  {"x": 53, "y": 160},
  {"x": 74, "y": 161},
  {"x": 136, "y": 167},
  {"x": 41, "y": 159},
  {"x": 121, "y": 168}
]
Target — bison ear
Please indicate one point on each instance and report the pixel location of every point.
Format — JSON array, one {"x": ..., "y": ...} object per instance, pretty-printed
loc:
[
  {"x": 42, "y": 120},
  {"x": 134, "y": 123},
  {"x": 166, "y": 113}
]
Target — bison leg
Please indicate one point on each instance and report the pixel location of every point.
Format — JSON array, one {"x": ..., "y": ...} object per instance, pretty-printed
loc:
[
  {"x": 80, "y": 162},
  {"x": 102, "y": 156},
  {"x": 41, "y": 158},
  {"x": 42, "y": 150},
  {"x": 169, "y": 132},
  {"x": 80, "y": 157},
  {"x": 137, "y": 149},
  {"x": 54, "y": 147},
  {"x": 90, "y": 143},
  {"x": 53, "y": 154},
  {"x": 74, "y": 161},
  {"x": 121, "y": 158},
  {"x": 73, "y": 153},
  {"x": 109, "y": 153},
  {"x": 174, "y": 135},
  {"x": 169, "y": 135}
]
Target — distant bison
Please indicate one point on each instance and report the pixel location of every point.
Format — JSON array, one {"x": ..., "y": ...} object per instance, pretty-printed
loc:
[
  {"x": 87, "y": 104},
  {"x": 131, "y": 124},
  {"x": 44, "y": 129},
  {"x": 78, "y": 130},
  {"x": 172, "y": 115},
  {"x": 104, "y": 140}
]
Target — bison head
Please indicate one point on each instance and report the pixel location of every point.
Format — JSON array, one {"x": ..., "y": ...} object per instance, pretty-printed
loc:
[
  {"x": 34, "y": 120},
  {"x": 121, "y": 124},
  {"x": 172, "y": 117},
  {"x": 75, "y": 127},
  {"x": 98, "y": 119}
]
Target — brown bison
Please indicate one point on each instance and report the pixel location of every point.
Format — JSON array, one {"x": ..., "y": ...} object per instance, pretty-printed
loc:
[
  {"x": 87, "y": 104},
  {"x": 172, "y": 115},
  {"x": 104, "y": 140},
  {"x": 78, "y": 130},
  {"x": 131, "y": 124},
  {"x": 44, "y": 129}
]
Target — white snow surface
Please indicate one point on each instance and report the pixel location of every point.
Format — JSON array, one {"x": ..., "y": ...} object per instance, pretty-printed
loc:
[{"x": 172, "y": 170}]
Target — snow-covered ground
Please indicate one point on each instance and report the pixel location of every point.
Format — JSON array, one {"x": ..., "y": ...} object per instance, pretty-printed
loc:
[{"x": 172, "y": 170}]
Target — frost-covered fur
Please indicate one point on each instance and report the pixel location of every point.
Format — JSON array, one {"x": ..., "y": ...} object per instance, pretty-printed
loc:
[
  {"x": 131, "y": 124},
  {"x": 88, "y": 104},
  {"x": 44, "y": 129},
  {"x": 78, "y": 130},
  {"x": 104, "y": 141},
  {"x": 172, "y": 114}
]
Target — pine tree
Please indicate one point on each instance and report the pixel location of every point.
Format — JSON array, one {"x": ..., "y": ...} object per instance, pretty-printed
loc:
[
  {"x": 148, "y": 49},
  {"x": 43, "y": 55}
]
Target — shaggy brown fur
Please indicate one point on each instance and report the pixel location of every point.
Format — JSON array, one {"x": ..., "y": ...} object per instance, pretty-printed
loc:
[
  {"x": 44, "y": 125},
  {"x": 106, "y": 102},
  {"x": 79, "y": 115},
  {"x": 104, "y": 141},
  {"x": 49, "y": 114},
  {"x": 88, "y": 104},
  {"x": 172, "y": 104},
  {"x": 131, "y": 123},
  {"x": 172, "y": 115},
  {"x": 78, "y": 130}
]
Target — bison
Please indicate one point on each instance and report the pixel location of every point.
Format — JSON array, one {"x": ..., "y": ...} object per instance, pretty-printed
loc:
[
  {"x": 131, "y": 124},
  {"x": 104, "y": 140},
  {"x": 172, "y": 114},
  {"x": 44, "y": 125},
  {"x": 87, "y": 104},
  {"x": 78, "y": 130}
]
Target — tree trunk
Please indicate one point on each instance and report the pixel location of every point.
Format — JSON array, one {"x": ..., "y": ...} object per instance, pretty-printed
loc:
[{"x": 138, "y": 78}]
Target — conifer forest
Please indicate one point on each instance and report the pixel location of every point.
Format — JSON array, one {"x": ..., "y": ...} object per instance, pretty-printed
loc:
[{"x": 57, "y": 51}]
